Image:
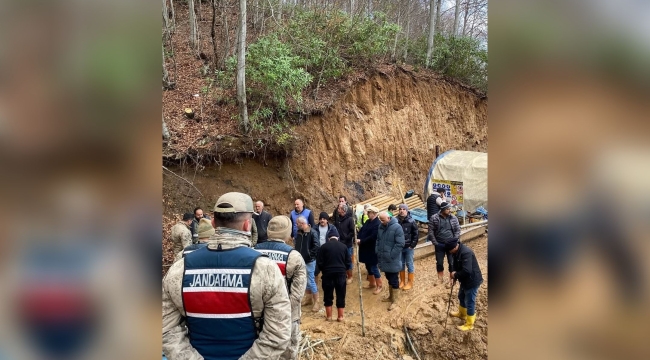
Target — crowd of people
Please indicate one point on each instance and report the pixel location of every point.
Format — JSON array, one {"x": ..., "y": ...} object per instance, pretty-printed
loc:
[{"x": 239, "y": 279}]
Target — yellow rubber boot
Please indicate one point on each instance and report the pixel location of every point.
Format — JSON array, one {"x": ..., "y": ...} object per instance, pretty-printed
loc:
[
  {"x": 402, "y": 279},
  {"x": 469, "y": 323},
  {"x": 461, "y": 313},
  {"x": 409, "y": 284}
]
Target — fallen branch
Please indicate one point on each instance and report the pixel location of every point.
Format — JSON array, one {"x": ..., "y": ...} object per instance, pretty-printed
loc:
[
  {"x": 182, "y": 178},
  {"x": 408, "y": 337}
]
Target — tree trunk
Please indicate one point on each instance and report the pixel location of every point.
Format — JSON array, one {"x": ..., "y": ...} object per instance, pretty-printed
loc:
[
  {"x": 193, "y": 37},
  {"x": 165, "y": 74},
  {"x": 241, "y": 66},
  {"x": 465, "y": 17},
  {"x": 351, "y": 7},
  {"x": 393, "y": 55},
  {"x": 432, "y": 31},
  {"x": 456, "y": 13},
  {"x": 213, "y": 35},
  {"x": 438, "y": 15},
  {"x": 408, "y": 29},
  {"x": 173, "y": 19},
  {"x": 165, "y": 13},
  {"x": 165, "y": 131},
  {"x": 226, "y": 33}
]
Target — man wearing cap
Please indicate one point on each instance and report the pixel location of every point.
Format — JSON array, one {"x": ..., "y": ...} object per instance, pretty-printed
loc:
[
  {"x": 181, "y": 234},
  {"x": 390, "y": 242},
  {"x": 323, "y": 228},
  {"x": 345, "y": 228},
  {"x": 443, "y": 229},
  {"x": 292, "y": 267},
  {"x": 226, "y": 300},
  {"x": 262, "y": 218},
  {"x": 334, "y": 260},
  {"x": 367, "y": 240},
  {"x": 410, "y": 229},
  {"x": 204, "y": 231},
  {"x": 434, "y": 200},
  {"x": 307, "y": 244},
  {"x": 300, "y": 210},
  {"x": 468, "y": 273}
]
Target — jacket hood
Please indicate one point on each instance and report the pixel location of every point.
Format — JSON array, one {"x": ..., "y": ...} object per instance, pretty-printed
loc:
[{"x": 229, "y": 238}]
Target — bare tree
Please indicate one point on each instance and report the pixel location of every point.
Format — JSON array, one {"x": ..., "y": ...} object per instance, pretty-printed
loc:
[
  {"x": 432, "y": 31},
  {"x": 438, "y": 15},
  {"x": 194, "y": 41},
  {"x": 226, "y": 33},
  {"x": 456, "y": 13},
  {"x": 165, "y": 131},
  {"x": 241, "y": 65},
  {"x": 408, "y": 29},
  {"x": 165, "y": 14}
]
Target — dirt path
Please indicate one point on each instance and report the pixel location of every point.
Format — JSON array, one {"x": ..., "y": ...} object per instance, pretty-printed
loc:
[{"x": 421, "y": 309}]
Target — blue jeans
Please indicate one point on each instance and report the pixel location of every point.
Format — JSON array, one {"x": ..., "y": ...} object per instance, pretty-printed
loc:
[
  {"x": 350, "y": 252},
  {"x": 407, "y": 259},
  {"x": 373, "y": 270},
  {"x": 467, "y": 299},
  {"x": 311, "y": 284}
]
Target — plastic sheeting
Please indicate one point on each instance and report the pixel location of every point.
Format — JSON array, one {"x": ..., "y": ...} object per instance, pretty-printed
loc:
[{"x": 467, "y": 166}]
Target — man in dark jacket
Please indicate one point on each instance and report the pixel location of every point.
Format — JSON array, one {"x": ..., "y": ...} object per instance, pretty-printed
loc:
[
  {"x": 345, "y": 228},
  {"x": 410, "y": 229},
  {"x": 434, "y": 200},
  {"x": 468, "y": 273},
  {"x": 333, "y": 260},
  {"x": 336, "y": 218},
  {"x": 307, "y": 244},
  {"x": 390, "y": 242},
  {"x": 443, "y": 229},
  {"x": 323, "y": 228},
  {"x": 262, "y": 218},
  {"x": 194, "y": 227},
  {"x": 367, "y": 240}
]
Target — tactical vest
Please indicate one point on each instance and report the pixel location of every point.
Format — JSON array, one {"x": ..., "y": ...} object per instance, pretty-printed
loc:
[
  {"x": 278, "y": 252},
  {"x": 294, "y": 217},
  {"x": 216, "y": 299}
]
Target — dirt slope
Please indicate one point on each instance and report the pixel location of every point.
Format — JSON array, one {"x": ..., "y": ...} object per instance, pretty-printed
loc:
[{"x": 384, "y": 129}]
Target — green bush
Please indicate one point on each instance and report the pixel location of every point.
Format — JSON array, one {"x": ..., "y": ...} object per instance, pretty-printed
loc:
[{"x": 273, "y": 72}]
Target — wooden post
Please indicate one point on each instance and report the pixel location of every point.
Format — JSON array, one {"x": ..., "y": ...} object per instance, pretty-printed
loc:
[
  {"x": 437, "y": 151},
  {"x": 363, "y": 317},
  {"x": 401, "y": 193}
]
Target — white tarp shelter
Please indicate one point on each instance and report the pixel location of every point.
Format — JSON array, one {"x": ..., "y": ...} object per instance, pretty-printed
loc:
[{"x": 470, "y": 167}]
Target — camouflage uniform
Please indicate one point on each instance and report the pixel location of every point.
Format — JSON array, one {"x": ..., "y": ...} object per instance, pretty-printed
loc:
[
  {"x": 181, "y": 237},
  {"x": 268, "y": 295}
]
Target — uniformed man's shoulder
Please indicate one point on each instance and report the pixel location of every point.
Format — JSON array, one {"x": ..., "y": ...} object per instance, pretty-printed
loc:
[{"x": 175, "y": 273}]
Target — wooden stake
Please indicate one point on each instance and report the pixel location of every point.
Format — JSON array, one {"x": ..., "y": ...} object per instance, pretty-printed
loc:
[
  {"x": 401, "y": 193},
  {"x": 363, "y": 317}
]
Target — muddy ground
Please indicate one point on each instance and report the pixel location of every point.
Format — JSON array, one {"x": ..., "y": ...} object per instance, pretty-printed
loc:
[{"x": 421, "y": 309}]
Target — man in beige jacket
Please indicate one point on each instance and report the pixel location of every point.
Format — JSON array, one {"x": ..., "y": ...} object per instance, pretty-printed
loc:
[
  {"x": 291, "y": 265},
  {"x": 226, "y": 300},
  {"x": 181, "y": 234}
]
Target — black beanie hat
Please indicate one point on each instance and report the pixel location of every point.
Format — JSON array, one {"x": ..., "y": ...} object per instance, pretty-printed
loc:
[
  {"x": 188, "y": 216},
  {"x": 332, "y": 232},
  {"x": 323, "y": 215},
  {"x": 451, "y": 245}
]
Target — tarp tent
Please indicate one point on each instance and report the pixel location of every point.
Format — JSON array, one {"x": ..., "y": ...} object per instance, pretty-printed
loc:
[{"x": 470, "y": 167}]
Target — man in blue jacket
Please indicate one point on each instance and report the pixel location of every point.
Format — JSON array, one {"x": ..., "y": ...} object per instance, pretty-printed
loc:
[{"x": 390, "y": 242}]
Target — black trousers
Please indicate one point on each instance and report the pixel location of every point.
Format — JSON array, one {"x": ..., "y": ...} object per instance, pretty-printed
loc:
[
  {"x": 331, "y": 283},
  {"x": 440, "y": 259},
  {"x": 393, "y": 279}
]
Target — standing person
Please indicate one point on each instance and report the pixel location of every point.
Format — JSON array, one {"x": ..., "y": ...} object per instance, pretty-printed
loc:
[
  {"x": 364, "y": 217},
  {"x": 410, "y": 229},
  {"x": 434, "y": 200},
  {"x": 468, "y": 273},
  {"x": 194, "y": 227},
  {"x": 205, "y": 231},
  {"x": 390, "y": 242},
  {"x": 253, "y": 232},
  {"x": 323, "y": 228},
  {"x": 443, "y": 229},
  {"x": 292, "y": 267},
  {"x": 307, "y": 244},
  {"x": 367, "y": 240},
  {"x": 334, "y": 259},
  {"x": 345, "y": 228},
  {"x": 181, "y": 234},
  {"x": 262, "y": 218},
  {"x": 392, "y": 209},
  {"x": 232, "y": 299},
  {"x": 300, "y": 210},
  {"x": 336, "y": 218}
]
